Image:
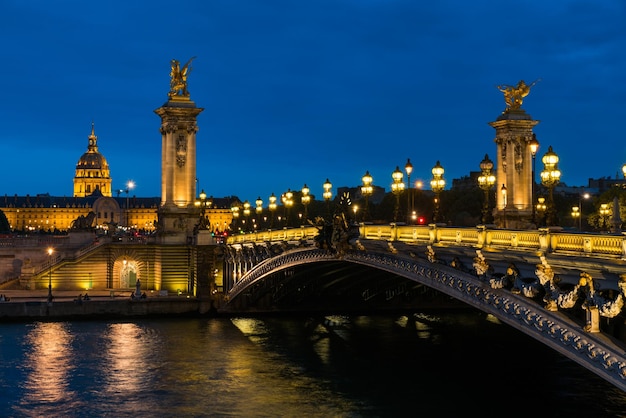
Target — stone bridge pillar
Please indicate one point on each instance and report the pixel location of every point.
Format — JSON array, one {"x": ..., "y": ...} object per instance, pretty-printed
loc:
[
  {"x": 514, "y": 132},
  {"x": 178, "y": 214}
]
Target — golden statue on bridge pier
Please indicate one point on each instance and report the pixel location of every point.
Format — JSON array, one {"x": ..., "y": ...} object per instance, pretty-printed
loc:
[
  {"x": 178, "y": 82},
  {"x": 514, "y": 95}
]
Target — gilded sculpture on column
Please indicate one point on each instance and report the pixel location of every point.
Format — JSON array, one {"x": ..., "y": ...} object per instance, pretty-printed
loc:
[
  {"x": 514, "y": 95},
  {"x": 178, "y": 82}
]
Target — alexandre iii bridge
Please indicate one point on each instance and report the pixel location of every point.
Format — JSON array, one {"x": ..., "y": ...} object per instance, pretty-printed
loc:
[{"x": 565, "y": 290}]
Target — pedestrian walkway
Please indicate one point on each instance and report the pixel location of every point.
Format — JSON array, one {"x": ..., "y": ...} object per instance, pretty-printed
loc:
[{"x": 67, "y": 295}]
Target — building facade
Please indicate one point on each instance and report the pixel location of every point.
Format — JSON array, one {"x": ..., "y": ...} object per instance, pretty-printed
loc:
[{"x": 92, "y": 193}]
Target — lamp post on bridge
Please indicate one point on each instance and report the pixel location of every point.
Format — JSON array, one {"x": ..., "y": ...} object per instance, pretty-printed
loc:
[
  {"x": 235, "y": 209},
  {"x": 366, "y": 191},
  {"x": 580, "y": 209},
  {"x": 418, "y": 187},
  {"x": 576, "y": 215},
  {"x": 541, "y": 206},
  {"x": 328, "y": 194},
  {"x": 437, "y": 184},
  {"x": 486, "y": 181},
  {"x": 259, "y": 208},
  {"x": 396, "y": 188},
  {"x": 305, "y": 199},
  {"x": 246, "y": 213},
  {"x": 550, "y": 177},
  {"x": 534, "y": 147},
  {"x": 604, "y": 214},
  {"x": 408, "y": 167},
  {"x": 288, "y": 203},
  {"x": 272, "y": 208}
]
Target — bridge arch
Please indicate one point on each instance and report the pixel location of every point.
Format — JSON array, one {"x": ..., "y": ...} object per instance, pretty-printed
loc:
[{"x": 595, "y": 352}]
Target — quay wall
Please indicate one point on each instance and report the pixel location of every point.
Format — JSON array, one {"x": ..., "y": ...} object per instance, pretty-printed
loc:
[{"x": 92, "y": 309}]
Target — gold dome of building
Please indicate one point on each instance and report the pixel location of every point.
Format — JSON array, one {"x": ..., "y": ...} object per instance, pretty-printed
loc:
[{"x": 92, "y": 171}]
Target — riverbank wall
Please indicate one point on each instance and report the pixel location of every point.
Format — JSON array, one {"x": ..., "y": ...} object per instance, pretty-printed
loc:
[{"x": 30, "y": 309}]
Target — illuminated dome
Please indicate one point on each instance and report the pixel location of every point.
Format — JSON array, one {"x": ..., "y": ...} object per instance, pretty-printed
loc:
[
  {"x": 92, "y": 171},
  {"x": 92, "y": 160}
]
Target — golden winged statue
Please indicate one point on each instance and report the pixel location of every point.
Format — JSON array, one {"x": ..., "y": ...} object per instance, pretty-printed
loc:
[
  {"x": 514, "y": 95},
  {"x": 178, "y": 82}
]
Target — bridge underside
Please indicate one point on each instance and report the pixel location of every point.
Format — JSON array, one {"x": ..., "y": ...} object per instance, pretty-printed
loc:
[
  {"x": 316, "y": 280},
  {"x": 338, "y": 286}
]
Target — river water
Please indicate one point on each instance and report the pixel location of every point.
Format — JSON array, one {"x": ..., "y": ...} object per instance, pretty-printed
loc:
[{"x": 420, "y": 364}]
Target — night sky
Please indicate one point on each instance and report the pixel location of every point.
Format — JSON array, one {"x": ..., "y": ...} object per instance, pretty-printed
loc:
[{"x": 298, "y": 91}]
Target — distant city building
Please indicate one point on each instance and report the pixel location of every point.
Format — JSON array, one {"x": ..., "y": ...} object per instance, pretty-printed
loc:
[
  {"x": 466, "y": 182},
  {"x": 605, "y": 183},
  {"x": 92, "y": 171},
  {"x": 93, "y": 193}
]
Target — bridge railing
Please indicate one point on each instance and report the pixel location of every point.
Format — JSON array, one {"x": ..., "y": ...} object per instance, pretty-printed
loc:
[
  {"x": 547, "y": 240},
  {"x": 286, "y": 234}
]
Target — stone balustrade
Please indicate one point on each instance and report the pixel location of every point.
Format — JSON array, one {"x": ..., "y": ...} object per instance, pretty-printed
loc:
[{"x": 545, "y": 240}]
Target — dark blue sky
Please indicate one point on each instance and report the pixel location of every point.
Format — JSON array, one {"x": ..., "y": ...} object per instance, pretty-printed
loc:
[{"x": 296, "y": 92}]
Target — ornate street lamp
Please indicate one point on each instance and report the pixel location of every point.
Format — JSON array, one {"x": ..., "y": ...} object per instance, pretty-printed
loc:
[
  {"x": 604, "y": 213},
  {"x": 576, "y": 215},
  {"x": 328, "y": 194},
  {"x": 50, "y": 251},
  {"x": 272, "y": 208},
  {"x": 418, "y": 187},
  {"x": 129, "y": 186},
  {"x": 624, "y": 170},
  {"x": 203, "y": 203},
  {"x": 288, "y": 202},
  {"x": 246, "y": 213},
  {"x": 437, "y": 184},
  {"x": 580, "y": 209},
  {"x": 408, "y": 167},
  {"x": 306, "y": 199},
  {"x": 397, "y": 187},
  {"x": 550, "y": 177},
  {"x": 259, "y": 205},
  {"x": 486, "y": 180},
  {"x": 259, "y": 209},
  {"x": 235, "y": 209},
  {"x": 201, "y": 198},
  {"x": 541, "y": 206},
  {"x": 534, "y": 147},
  {"x": 366, "y": 191}
]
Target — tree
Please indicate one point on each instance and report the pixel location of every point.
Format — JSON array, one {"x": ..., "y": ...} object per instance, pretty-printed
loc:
[
  {"x": 462, "y": 207},
  {"x": 601, "y": 222},
  {"x": 4, "y": 223}
]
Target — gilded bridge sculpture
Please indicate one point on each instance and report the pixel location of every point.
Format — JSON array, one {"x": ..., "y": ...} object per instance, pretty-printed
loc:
[
  {"x": 178, "y": 82},
  {"x": 514, "y": 95}
]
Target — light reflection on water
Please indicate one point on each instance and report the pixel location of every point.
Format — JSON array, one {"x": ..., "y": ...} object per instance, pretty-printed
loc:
[
  {"x": 333, "y": 366},
  {"x": 128, "y": 348},
  {"x": 48, "y": 366}
]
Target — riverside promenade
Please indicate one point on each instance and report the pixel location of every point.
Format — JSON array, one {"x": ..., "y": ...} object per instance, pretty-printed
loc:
[{"x": 29, "y": 305}]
